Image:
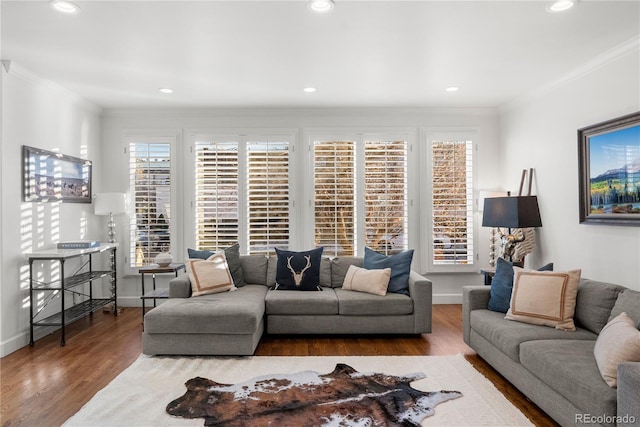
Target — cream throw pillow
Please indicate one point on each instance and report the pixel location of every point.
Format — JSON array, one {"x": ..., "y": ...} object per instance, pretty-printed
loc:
[
  {"x": 209, "y": 276},
  {"x": 619, "y": 341},
  {"x": 545, "y": 298},
  {"x": 370, "y": 281}
]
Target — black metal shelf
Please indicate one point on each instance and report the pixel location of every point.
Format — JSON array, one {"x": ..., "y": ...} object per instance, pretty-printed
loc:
[
  {"x": 74, "y": 313},
  {"x": 60, "y": 287},
  {"x": 73, "y": 281}
]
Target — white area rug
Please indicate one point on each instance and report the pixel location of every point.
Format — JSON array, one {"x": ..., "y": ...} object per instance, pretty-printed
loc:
[{"x": 139, "y": 395}]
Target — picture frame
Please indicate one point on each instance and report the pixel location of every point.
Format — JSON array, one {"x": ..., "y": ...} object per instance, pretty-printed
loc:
[
  {"x": 609, "y": 171},
  {"x": 51, "y": 177}
]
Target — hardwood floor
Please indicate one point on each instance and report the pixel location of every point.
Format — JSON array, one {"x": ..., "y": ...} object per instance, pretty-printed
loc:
[{"x": 46, "y": 384}]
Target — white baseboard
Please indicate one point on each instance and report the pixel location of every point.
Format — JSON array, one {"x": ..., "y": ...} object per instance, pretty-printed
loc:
[
  {"x": 447, "y": 299},
  {"x": 22, "y": 340},
  {"x": 135, "y": 301}
]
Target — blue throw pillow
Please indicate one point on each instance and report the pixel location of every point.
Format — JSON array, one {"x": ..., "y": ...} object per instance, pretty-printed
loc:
[
  {"x": 400, "y": 265},
  {"x": 232, "y": 254},
  {"x": 501, "y": 286},
  {"x": 298, "y": 271}
]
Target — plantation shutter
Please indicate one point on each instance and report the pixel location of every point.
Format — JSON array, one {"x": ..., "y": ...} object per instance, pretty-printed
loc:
[
  {"x": 334, "y": 183},
  {"x": 150, "y": 184},
  {"x": 452, "y": 181},
  {"x": 385, "y": 180},
  {"x": 268, "y": 196},
  {"x": 216, "y": 194}
]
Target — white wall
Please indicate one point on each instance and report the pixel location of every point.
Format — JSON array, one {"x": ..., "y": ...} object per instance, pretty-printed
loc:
[
  {"x": 541, "y": 132},
  {"x": 43, "y": 115},
  {"x": 447, "y": 287}
]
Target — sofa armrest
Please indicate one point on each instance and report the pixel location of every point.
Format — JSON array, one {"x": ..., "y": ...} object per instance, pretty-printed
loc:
[
  {"x": 180, "y": 287},
  {"x": 473, "y": 298},
  {"x": 421, "y": 291},
  {"x": 628, "y": 394}
]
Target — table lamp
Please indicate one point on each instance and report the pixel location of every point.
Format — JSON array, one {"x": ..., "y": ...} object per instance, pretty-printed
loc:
[
  {"x": 510, "y": 213},
  {"x": 110, "y": 204}
]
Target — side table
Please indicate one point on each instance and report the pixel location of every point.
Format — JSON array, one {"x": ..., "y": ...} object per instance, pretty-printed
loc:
[{"x": 156, "y": 294}]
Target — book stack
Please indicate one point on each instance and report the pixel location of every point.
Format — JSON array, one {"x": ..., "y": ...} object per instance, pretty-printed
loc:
[{"x": 79, "y": 244}]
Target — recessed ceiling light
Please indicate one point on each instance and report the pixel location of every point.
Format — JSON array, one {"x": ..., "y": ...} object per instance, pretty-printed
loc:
[
  {"x": 309, "y": 89},
  {"x": 560, "y": 5},
  {"x": 452, "y": 89},
  {"x": 166, "y": 90},
  {"x": 321, "y": 6},
  {"x": 65, "y": 6}
]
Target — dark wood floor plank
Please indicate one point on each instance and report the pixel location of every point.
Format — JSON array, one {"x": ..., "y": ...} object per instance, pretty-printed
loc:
[{"x": 46, "y": 384}]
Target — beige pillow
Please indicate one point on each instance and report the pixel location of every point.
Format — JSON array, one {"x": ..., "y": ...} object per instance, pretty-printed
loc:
[
  {"x": 619, "y": 341},
  {"x": 545, "y": 298},
  {"x": 209, "y": 276},
  {"x": 370, "y": 281}
]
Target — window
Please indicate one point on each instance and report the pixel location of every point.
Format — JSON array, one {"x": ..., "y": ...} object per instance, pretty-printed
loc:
[
  {"x": 386, "y": 208},
  {"x": 267, "y": 195},
  {"x": 216, "y": 206},
  {"x": 242, "y": 193},
  {"x": 335, "y": 207},
  {"x": 452, "y": 201},
  {"x": 366, "y": 175},
  {"x": 150, "y": 185}
]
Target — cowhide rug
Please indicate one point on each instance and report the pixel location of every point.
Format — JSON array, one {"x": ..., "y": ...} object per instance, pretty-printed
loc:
[{"x": 344, "y": 397}]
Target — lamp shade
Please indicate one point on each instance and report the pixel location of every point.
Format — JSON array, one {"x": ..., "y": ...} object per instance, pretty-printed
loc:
[
  {"x": 511, "y": 212},
  {"x": 110, "y": 203}
]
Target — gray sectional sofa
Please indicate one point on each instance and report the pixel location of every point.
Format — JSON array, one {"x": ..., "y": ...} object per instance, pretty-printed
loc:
[
  {"x": 557, "y": 369},
  {"x": 232, "y": 323}
]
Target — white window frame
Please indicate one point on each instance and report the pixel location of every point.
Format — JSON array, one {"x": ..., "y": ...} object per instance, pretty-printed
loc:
[
  {"x": 174, "y": 139},
  {"x": 242, "y": 136},
  {"x": 427, "y": 136},
  {"x": 359, "y": 136}
]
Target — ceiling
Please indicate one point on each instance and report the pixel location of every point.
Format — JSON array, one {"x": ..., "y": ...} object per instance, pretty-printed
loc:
[{"x": 117, "y": 54}]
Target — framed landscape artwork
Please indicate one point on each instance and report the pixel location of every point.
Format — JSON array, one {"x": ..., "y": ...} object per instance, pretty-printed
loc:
[
  {"x": 51, "y": 177},
  {"x": 609, "y": 168}
]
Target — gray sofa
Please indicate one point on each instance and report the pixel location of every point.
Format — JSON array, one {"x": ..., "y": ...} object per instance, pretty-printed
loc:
[
  {"x": 557, "y": 369},
  {"x": 232, "y": 323}
]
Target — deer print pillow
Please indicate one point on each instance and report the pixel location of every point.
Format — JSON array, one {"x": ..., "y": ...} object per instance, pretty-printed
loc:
[{"x": 298, "y": 271}]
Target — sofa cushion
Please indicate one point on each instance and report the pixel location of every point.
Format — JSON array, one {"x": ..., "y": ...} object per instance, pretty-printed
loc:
[
  {"x": 352, "y": 303},
  {"x": 400, "y": 265},
  {"x": 323, "y": 302},
  {"x": 508, "y": 336},
  {"x": 254, "y": 269},
  {"x": 238, "y": 312},
  {"x": 339, "y": 267},
  {"x": 298, "y": 271},
  {"x": 619, "y": 341},
  {"x": 232, "y": 253},
  {"x": 272, "y": 267},
  {"x": 325, "y": 272},
  {"x": 568, "y": 367},
  {"x": 369, "y": 281},
  {"x": 628, "y": 301},
  {"x": 502, "y": 285},
  {"x": 594, "y": 303},
  {"x": 209, "y": 276},
  {"x": 545, "y": 298}
]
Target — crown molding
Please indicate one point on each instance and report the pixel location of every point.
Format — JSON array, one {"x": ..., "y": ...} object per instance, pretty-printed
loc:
[
  {"x": 294, "y": 111},
  {"x": 631, "y": 46}
]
